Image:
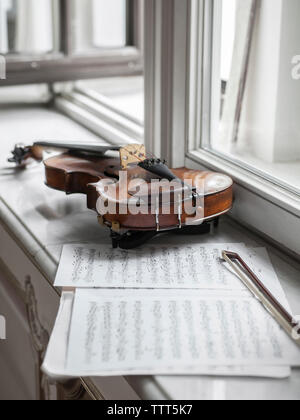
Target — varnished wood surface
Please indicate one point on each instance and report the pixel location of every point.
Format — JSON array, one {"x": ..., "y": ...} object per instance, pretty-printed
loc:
[{"x": 80, "y": 174}]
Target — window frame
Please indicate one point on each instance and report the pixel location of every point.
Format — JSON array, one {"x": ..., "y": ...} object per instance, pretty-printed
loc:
[
  {"x": 176, "y": 118},
  {"x": 99, "y": 114},
  {"x": 198, "y": 147},
  {"x": 63, "y": 66},
  {"x": 167, "y": 40}
]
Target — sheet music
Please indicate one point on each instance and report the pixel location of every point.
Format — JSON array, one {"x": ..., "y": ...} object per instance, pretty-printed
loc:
[
  {"x": 186, "y": 267},
  {"x": 122, "y": 332},
  {"x": 55, "y": 361}
]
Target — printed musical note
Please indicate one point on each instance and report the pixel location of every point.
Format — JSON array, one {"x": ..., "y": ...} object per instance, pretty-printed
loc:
[
  {"x": 133, "y": 331},
  {"x": 191, "y": 267}
]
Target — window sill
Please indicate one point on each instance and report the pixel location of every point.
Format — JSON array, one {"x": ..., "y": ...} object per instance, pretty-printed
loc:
[
  {"x": 282, "y": 173},
  {"x": 124, "y": 95},
  {"x": 110, "y": 108},
  {"x": 263, "y": 187},
  {"x": 259, "y": 204}
]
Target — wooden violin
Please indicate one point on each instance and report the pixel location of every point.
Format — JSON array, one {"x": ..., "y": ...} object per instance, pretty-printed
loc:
[{"x": 133, "y": 193}]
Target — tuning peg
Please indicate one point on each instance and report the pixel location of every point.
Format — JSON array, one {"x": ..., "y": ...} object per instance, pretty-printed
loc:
[{"x": 18, "y": 154}]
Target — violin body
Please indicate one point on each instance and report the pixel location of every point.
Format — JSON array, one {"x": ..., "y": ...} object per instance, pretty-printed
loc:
[
  {"x": 101, "y": 178},
  {"x": 74, "y": 174}
]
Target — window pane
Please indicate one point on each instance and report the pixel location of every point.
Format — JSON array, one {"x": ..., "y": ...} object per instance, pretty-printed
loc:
[
  {"x": 28, "y": 26},
  {"x": 125, "y": 94},
  {"x": 256, "y": 87},
  {"x": 99, "y": 24}
]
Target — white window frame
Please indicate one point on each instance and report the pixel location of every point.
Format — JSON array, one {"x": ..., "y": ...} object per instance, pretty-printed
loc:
[
  {"x": 64, "y": 65},
  {"x": 59, "y": 70},
  {"x": 178, "y": 90},
  {"x": 99, "y": 114}
]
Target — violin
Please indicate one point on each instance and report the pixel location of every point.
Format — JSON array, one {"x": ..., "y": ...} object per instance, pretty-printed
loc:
[{"x": 133, "y": 193}]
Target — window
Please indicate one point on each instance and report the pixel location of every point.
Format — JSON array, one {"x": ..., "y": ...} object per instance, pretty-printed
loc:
[
  {"x": 212, "y": 64},
  {"x": 252, "y": 103},
  {"x": 63, "y": 40},
  {"x": 98, "y": 24},
  {"x": 28, "y": 27},
  {"x": 97, "y": 45}
]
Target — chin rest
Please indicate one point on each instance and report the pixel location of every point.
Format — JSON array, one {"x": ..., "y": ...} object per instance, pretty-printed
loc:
[{"x": 134, "y": 239}]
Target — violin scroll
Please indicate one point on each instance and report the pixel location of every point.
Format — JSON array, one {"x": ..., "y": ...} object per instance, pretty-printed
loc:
[{"x": 22, "y": 154}]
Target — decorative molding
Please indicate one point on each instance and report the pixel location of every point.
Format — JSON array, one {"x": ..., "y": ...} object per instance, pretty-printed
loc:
[{"x": 39, "y": 339}]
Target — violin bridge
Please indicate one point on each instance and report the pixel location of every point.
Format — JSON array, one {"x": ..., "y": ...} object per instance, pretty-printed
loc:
[{"x": 132, "y": 154}]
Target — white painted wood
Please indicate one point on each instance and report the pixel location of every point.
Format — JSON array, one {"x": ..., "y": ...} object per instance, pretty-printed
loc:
[
  {"x": 18, "y": 380},
  {"x": 105, "y": 130},
  {"x": 4, "y": 6},
  {"x": 2, "y": 68},
  {"x": 122, "y": 95},
  {"x": 259, "y": 205},
  {"x": 113, "y": 118},
  {"x": 153, "y": 27},
  {"x": 166, "y": 80}
]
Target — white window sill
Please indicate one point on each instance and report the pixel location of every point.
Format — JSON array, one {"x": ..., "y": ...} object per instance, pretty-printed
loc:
[
  {"x": 255, "y": 183},
  {"x": 283, "y": 173},
  {"x": 111, "y": 108},
  {"x": 124, "y": 93},
  {"x": 259, "y": 204}
]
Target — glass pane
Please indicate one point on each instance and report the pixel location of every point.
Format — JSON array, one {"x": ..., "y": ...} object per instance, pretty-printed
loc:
[
  {"x": 255, "y": 86},
  {"x": 99, "y": 24},
  {"x": 28, "y": 26},
  {"x": 125, "y": 94}
]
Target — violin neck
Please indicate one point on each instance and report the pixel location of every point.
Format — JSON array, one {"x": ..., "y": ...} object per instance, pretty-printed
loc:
[
  {"x": 95, "y": 148},
  {"x": 22, "y": 154}
]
